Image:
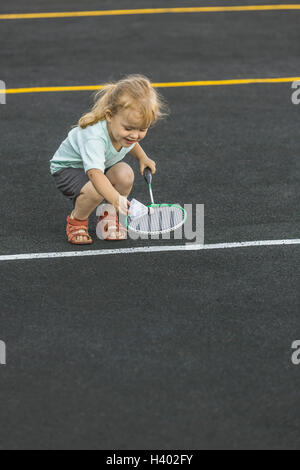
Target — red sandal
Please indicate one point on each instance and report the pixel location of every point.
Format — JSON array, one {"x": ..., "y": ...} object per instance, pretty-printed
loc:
[
  {"x": 109, "y": 224},
  {"x": 73, "y": 230}
]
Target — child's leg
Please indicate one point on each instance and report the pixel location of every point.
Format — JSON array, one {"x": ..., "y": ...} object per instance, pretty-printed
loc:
[
  {"x": 86, "y": 202},
  {"x": 121, "y": 177}
]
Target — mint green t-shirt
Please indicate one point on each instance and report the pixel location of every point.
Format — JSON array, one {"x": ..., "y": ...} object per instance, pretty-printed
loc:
[{"x": 88, "y": 148}]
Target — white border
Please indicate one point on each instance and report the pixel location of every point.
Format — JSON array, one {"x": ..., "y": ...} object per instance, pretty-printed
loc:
[{"x": 149, "y": 249}]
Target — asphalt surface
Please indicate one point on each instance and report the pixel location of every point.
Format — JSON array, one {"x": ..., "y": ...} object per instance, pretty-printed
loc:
[{"x": 182, "y": 350}]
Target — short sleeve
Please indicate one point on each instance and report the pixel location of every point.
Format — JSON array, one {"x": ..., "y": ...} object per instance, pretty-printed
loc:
[{"x": 92, "y": 152}]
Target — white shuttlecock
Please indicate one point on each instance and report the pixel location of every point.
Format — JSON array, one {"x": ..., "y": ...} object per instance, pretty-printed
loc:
[{"x": 137, "y": 209}]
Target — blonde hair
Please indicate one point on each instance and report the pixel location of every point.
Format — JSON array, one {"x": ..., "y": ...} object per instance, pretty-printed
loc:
[{"x": 132, "y": 92}]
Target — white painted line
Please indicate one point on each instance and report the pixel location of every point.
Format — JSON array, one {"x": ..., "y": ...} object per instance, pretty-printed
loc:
[{"x": 149, "y": 249}]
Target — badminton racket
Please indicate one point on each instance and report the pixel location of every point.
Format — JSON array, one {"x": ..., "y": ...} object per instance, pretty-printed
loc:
[{"x": 160, "y": 218}]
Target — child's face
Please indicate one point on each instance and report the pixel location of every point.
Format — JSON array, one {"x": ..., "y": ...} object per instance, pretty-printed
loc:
[{"x": 125, "y": 128}]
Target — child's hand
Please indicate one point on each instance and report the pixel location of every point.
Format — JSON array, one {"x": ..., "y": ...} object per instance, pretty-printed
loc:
[
  {"x": 121, "y": 205},
  {"x": 147, "y": 162}
]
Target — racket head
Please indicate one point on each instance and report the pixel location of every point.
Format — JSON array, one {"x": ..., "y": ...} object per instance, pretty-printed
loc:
[{"x": 165, "y": 218}]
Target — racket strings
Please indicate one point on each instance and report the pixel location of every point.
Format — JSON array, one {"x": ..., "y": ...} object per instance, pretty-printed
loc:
[{"x": 163, "y": 219}]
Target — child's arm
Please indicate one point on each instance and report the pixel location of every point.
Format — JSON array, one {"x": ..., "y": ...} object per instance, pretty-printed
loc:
[
  {"x": 138, "y": 153},
  {"x": 104, "y": 187}
]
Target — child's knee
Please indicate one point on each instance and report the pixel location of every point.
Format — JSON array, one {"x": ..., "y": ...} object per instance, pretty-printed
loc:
[
  {"x": 125, "y": 176},
  {"x": 129, "y": 176}
]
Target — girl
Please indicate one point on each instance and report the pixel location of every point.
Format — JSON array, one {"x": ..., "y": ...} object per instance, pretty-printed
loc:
[{"x": 88, "y": 167}]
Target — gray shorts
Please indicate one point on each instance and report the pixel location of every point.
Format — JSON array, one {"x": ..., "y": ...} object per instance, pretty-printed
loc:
[{"x": 70, "y": 181}]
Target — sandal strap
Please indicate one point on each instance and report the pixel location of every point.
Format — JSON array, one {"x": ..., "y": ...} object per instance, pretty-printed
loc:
[
  {"x": 77, "y": 221},
  {"x": 73, "y": 233},
  {"x": 108, "y": 217},
  {"x": 115, "y": 228},
  {"x": 113, "y": 218},
  {"x": 76, "y": 228}
]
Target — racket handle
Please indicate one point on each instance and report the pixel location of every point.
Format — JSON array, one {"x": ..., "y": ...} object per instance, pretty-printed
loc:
[{"x": 148, "y": 175}]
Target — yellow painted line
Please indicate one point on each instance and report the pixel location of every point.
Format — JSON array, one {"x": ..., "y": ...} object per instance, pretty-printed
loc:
[
  {"x": 145, "y": 11},
  {"x": 53, "y": 89},
  {"x": 244, "y": 81}
]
